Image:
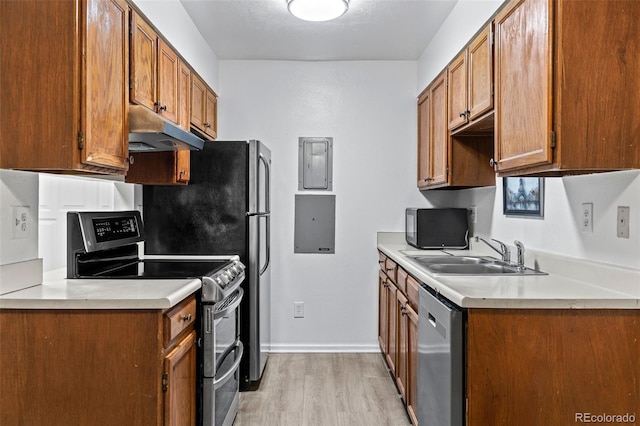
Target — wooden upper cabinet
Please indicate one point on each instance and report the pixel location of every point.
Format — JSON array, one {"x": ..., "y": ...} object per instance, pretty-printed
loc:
[
  {"x": 423, "y": 139},
  {"x": 168, "y": 75},
  {"x": 212, "y": 115},
  {"x": 439, "y": 135},
  {"x": 154, "y": 70},
  {"x": 66, "y": 103},
  {"x": 183, "y": 158},
  {"x": 457, "y": 75},
  {"x": 523, "y": 84},
  {"x": 144, "y": 48},
  {"x": 433, "y": 134},
  {"x": 480, "y": 74},
  {"x": 470, "y": 77},
  {"x": 204, "y": 108},
  {"x": 162, "y": 83},
  {"x": 566, "y": 86}
]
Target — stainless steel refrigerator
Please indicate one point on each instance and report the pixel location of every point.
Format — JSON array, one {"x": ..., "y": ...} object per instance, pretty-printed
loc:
[{"x": 225, "y": 209}]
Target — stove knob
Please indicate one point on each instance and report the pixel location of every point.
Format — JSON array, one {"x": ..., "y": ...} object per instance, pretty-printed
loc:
[{"x": 224, "y": 278}]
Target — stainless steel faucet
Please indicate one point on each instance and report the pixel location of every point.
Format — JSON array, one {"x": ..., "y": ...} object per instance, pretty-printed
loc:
[
  {"x": 520, "y": 248},
  {"x": 504, "y": 249}
]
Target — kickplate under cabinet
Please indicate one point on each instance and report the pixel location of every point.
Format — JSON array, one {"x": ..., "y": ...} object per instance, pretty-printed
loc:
[{"x": 315, "y": 224}]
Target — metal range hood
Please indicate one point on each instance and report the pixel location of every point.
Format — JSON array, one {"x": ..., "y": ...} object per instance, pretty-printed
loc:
[{"x": 149, "y": 131}]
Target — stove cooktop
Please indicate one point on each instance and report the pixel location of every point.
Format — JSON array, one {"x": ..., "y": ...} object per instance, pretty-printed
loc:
[{"x": 164, "y": 269}]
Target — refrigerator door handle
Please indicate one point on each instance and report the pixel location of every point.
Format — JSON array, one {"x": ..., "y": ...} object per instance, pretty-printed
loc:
[
  {"x": 268, "y": 245},
  {"x": 267, "y": 186}
]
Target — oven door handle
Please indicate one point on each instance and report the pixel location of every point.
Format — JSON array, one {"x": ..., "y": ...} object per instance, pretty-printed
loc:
[
  {"x": 239, "y": 295},
  {"x": 219, "y": 381}
]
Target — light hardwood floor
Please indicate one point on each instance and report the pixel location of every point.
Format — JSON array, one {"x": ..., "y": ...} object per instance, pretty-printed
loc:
[{"x": 338, "y": 389}]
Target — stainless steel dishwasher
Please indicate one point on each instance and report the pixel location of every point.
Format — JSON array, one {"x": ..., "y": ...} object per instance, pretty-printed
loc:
[{"x": 440, "y": 361}]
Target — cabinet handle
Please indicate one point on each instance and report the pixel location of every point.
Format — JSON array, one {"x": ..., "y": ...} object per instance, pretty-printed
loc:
[
  {"x": 186, "y": 318},
  {"x": 463, "y": 114},
  {"x": 493, "y": 163},
  {"x": 163, "y": 108},
  {"x": 468, "y": 113}
]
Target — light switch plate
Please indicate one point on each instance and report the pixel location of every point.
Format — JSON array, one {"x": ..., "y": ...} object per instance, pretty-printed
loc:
[{"x": 623, "y": 222}]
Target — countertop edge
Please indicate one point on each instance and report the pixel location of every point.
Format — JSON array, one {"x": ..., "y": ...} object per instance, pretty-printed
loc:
[{"x": 452, "y": 288}]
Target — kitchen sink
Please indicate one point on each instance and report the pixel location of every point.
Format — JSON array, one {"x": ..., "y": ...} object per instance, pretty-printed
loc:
[{"x": 470, "y": 265}]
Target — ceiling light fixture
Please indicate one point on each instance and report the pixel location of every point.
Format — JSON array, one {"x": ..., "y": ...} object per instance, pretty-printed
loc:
[{"x": 317, "y": 10}]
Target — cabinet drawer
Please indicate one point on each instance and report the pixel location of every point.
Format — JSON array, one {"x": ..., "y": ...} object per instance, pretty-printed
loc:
[
  {"x": 390, "y": 269},
  {"x": 402, "y": 280},
  {"x": 382, "y": 260},
  {"x": 412, "y": 292},
  {"x": 178, "y": 319}
]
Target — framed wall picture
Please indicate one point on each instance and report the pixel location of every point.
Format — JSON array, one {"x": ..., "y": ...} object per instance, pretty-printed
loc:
[{"x": 523, "y": 196}]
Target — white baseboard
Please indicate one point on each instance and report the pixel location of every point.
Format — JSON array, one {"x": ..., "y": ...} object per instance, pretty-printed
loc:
[{"x": 324, "y": 348}]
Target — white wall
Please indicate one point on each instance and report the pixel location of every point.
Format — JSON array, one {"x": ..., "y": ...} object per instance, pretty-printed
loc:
[
  {"x": 172, "y": 20},
  {"x": 60, "y": 194},
  {"x": 559, "y": 231},
  {"x": 466, "y": 18},
  {"x": 18, "y": 189},
  {"x": 369, "y": 110}
]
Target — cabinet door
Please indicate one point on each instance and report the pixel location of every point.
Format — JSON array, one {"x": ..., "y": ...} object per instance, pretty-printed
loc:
[
  {"x": 480, "y": 74},
  {"x": 179, "y": 384},
  {"x": 383, "y": 312},
  {"x": 211, "y": 123},
  {"x": 105, "y": 97},
  {"x": 412, "y": 364},
  {"x": 402, "y": 348},
  {"x": 392, "y": 326},
  {"x": 168, "y": 76},
  {"x": 423, "y": 139},
  {"x": 457, "y": 77},
  {"x": 439, "y": 135},
  {"x": 144, "y": 51},
  {"x": 183, "y": 158},
  {"x": 198, "y": 102},
  {"x": 523, "y": 66}
]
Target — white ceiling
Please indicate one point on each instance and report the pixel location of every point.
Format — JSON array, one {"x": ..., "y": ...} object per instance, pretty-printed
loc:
[{"x": 370, "y": 30}]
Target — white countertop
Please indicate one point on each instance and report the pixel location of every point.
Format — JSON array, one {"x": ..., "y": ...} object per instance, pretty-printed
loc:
[
  {"x": 61, "y": 293},
  {"x": 570, "y": 283}
]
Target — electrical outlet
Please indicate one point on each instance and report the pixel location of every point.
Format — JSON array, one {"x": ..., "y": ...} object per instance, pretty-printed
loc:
[
  {"x": 587, "y": 217},
  {"x": 622, "y": 230},
  {"x": 298, "y": 309},
  {"x": 474, "y": 214},
  {"x": 20, "y": 222}
]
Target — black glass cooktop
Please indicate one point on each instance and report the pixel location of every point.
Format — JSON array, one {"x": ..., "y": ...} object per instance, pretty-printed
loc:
[{"x": 164, "y": 269}]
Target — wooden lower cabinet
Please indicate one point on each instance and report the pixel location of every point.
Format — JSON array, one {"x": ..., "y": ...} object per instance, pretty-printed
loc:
[
  {"x": 552, "y": 367},
  {"x": 398, "y": 329},
  {"x": 98, "y": 367}
]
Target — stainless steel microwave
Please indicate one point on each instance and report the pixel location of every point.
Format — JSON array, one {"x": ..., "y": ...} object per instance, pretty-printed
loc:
[{"x": 437, "y": 228}]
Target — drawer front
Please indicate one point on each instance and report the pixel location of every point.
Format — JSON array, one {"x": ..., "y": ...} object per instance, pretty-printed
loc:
[
  {"x": 382, "y": 260},
  {"x": 390, "y": 269},
  {"x": 402, "y": 280},
  {"x": 179, "y": 319},
  {"x": 412, "y": 292}
]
